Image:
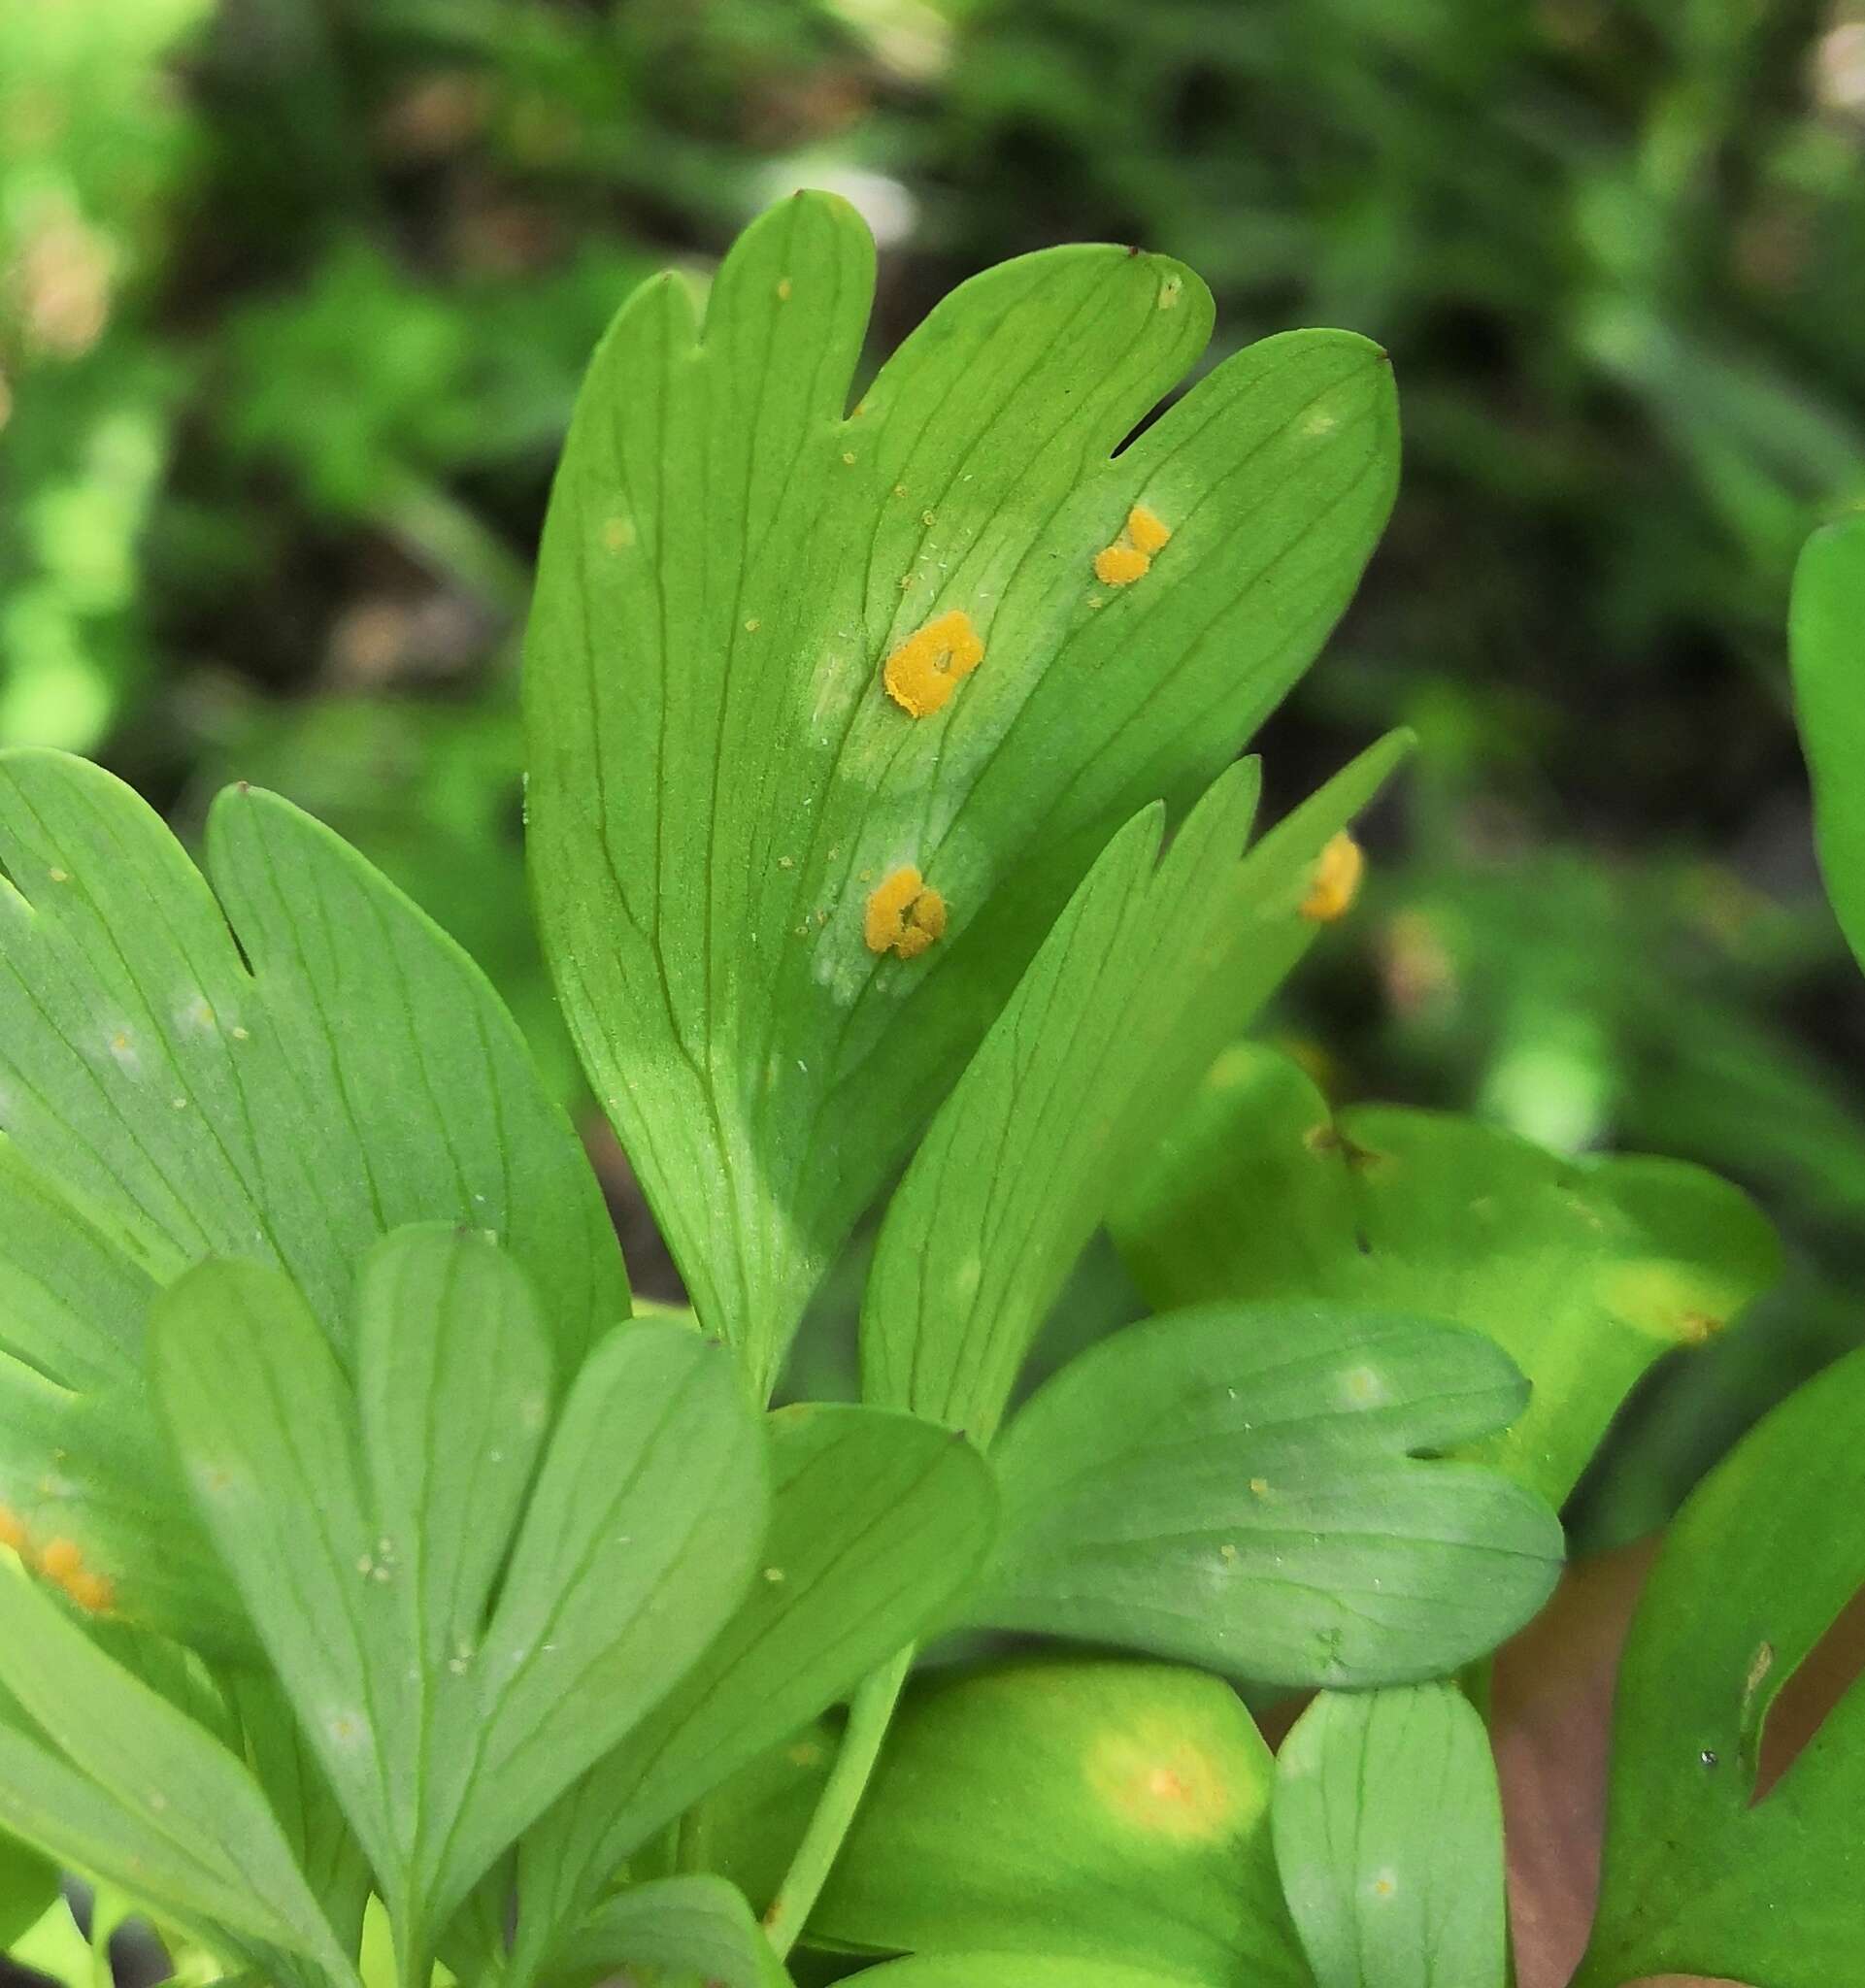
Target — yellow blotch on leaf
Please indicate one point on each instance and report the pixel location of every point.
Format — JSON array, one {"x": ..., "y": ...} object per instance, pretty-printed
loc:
[
  {"x": 13, "y": 1529},
  {"x": 1161, "y": 1783},
  {"x": 1130, "y": 556},
  {"x": 904, "y": 915},
  {"x": 1336, "y": 880},
  {"x": 924, "y": 671}
]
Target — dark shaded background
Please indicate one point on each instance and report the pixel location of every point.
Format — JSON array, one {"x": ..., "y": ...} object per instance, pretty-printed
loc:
[{"x": 294, "y": 295}]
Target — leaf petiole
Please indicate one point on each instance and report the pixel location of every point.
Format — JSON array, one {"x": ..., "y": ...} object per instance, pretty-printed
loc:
[{"x": 869, "y": 1714}]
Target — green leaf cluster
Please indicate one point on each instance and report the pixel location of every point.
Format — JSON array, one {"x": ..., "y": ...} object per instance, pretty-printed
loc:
[{"x": 886, "y": 820}]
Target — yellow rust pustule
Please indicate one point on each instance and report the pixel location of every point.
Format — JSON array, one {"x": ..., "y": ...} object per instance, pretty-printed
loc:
[
  {"x": 1130, "y": 556},
  {"x": 61, "y": 1562},
  {"x": 924, "y": 671},
  {"x": 1335, "y": 880},
  {"x": 904, "y": 915}
]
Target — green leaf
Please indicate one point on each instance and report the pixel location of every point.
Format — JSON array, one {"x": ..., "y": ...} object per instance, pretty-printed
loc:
[
  {"x": 1237, "y": 1486},
  {"x": 878, "y": 1521},
  {"x": 1097, "y": 1809},
  {"x": 28, "y": 1889},
  {"x": 279, "y": 1061},
  {"x": 1700, "y": 1878},
  {"x": 298, "y": 1792},
  {"x": 1827, "y": 644},
  {"x": 104, "y": 1774},
  {"x": 1018, "y": 1971},
  {"x": 367, "y": 1529},
  {"x": 1388, "y": 1835},
  {"x": 693, "y": 1926},
  {"x": 718, "y": 776},
  {"x": 1151, "y": 970},
  {"x": 1583, "y": 1273}
]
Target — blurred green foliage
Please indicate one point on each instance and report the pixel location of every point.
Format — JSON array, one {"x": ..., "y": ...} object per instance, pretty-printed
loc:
[{"x": 294, "y": 296}]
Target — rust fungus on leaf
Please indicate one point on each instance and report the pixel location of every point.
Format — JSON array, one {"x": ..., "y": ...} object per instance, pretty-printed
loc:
[
  {"x": 1130, "y": 556},
  {"x": 1148, "y": 531},
  {"x": 904, "y": 915},
  {"x": 62, "y": 1563},
  {"x": 924, "y": 671},
  {"x": 1336, "y": 880}
]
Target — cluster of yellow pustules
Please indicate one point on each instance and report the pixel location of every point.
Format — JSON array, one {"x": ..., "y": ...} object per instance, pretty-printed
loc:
[{"x": 61, "y": 1561}]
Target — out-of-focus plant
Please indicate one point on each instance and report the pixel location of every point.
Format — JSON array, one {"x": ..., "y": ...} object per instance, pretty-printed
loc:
[{"x": 93, "y": 145}]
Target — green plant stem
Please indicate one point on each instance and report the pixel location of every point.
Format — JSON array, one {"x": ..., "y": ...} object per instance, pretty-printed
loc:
[{"x": 869, "y": 1714}]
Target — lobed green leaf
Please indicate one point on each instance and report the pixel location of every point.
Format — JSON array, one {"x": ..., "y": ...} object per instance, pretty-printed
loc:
[
  {"x": 1583, "y": 1273},
  {"x": 1700, "y": 1876},
  {"x": 365, "y": 1529},
  {"x": 1151, "y": 970},
  {"x": 1387, "y": 1823},
  {"x": 1108, "y": 1811},
  {"x": 1239, "y": 1486},
  {"x": 279, "y": 1061},
  {"x": 720, "y": 778},
  {"x": 878, "y": 1521}
]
